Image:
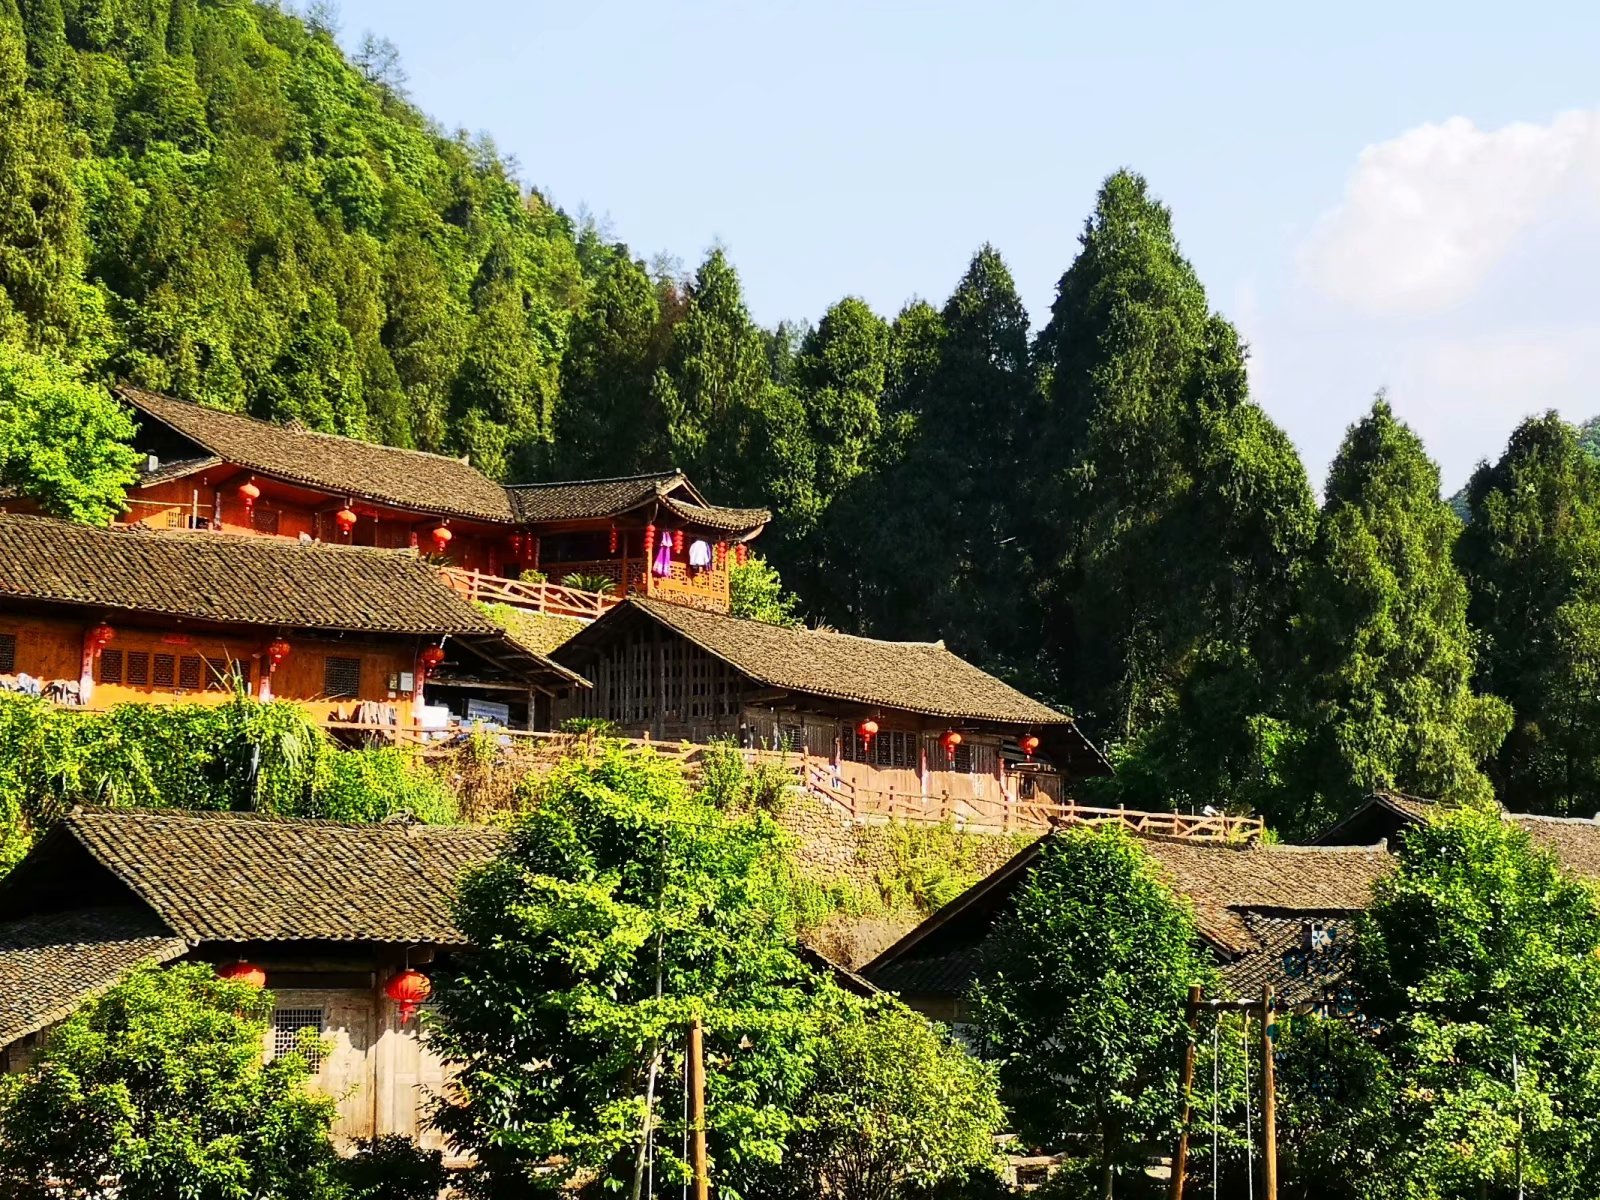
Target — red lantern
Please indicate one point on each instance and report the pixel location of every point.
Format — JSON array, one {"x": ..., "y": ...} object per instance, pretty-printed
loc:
[
  {"x": 722, "y": 555},
  {"x": 249, "y": 493},
  {"x": 408, "y": 989},
  {"x": 430, "y": 658},
  {"x": 1029, "y": 745},
  {"x": 740, "y": 553},
  {"x": 346, "y": 520},
  {"x": 613, "y": 548},
  {"x": 276, "y": 653},
  {"x": 243, "y": 972},
  {"x": 100, "y": 637},
  {"x": 868, "y": 730},
  {"x": 649, "y": 540},
  {"x": 677, "y": 541},
  {"x": 441, "y": 538},
  {"x": 951, "y": 741}
]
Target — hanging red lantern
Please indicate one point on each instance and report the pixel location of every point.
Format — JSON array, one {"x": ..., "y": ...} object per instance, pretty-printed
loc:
[
  {"x": 741, "y": 552},
  {"x": 722, "y": 555},
  {"x": 951, "y": 741},
  {"x": 430, "y": 658},
  {"x": 1029, "y": 745},
  {"x": 408, "y": 989},
  {"x": 677, "y": 541},
  {"x": 649, "y": 540},
  {"x": 249, "y": 493},
  {"x": 613, "y": 545},
  {"x": 100, "y": 637},
  {"x": 868, "y": 730},
  {"x": 441, "y": 538},
  {"x": 345, "y": 518},
  {"x": 243, "y": 972},
  {"x": 276, "y": 653}
]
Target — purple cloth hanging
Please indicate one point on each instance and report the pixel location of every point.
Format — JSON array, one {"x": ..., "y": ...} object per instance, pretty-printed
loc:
[{"x": 664, "y": 555}]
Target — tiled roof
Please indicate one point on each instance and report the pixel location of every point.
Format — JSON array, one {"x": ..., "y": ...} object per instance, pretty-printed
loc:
[
  {"x": 241, "y": 877},
  {"x": 179, "y": 469},
  {"x": 411, "y": 479},
  {"x": 241, "y": 580},
  {"x": 920, "y": 677},
  {"x": 1251, "y": 903},
  {"x": 590, "y": 499},
  {"x": 51, "y": 964},
  {"x": 1575, "y": 840}
]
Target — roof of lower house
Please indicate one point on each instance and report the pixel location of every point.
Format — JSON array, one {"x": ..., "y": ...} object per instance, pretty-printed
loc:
[
  {"x": 1250, "y": 903},
  {"x": 919, "y": 677},
  {"x": 108, "y": 888},
  {"x": 248, "y": 581},
  {"x": 414, "y": 479},
  {"x": 589, "y": 499}
]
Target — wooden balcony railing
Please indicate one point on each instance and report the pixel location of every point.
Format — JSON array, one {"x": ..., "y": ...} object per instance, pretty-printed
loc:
[{"x": 550, "y": 598}]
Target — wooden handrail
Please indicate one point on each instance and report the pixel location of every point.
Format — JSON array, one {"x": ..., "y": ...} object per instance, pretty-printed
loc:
[{"x": 553, "y": 598}]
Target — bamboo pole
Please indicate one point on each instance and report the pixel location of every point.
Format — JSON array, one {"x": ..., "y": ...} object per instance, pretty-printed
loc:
[
  {"x": 697, "y": 1109},
  {"x": 1180, "y": 1160},
  {"x": 1269, "y": 1096}
]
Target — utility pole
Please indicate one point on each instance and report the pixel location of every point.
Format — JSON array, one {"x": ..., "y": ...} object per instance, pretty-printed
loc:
[
  {"x": 1180, "y": 1160},
  {"x": 697, "y": 1109},
  {"x": 1269, "y": 1096}
]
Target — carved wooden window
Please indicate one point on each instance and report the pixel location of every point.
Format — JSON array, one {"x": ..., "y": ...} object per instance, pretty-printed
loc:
[
  {"x": 138, "y": 668},
  {"x": 191, "y": 672},
  {"x": 341, "y": 677},
  {"x": 8, "y": 653},
  {"x": 891, "y": 748},
  {"x": 165, "y": 674},
  {"x": 287, "y": 1026},
  {"x": 111, "y": 666},
  {"x": 264, "y": 520}
]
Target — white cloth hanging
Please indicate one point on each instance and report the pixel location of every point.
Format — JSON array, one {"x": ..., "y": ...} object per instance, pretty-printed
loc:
[{"x": 700, "y": 554}]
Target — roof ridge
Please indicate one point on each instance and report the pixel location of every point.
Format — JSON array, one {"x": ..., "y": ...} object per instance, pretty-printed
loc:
[
  {"x": 1521, "y": 816},
  {"x": 95, "y": 812},
  {"x": 639, "y": 478},
  {"x": 215, "y": 537},
  {"x": 808, "y": 629}
]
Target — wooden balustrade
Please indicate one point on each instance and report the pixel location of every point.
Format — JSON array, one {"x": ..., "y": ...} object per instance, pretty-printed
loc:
[{"x": 543, "y": 597}]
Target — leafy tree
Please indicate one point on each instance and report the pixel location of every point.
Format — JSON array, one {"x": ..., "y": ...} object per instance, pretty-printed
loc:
[
  {"x": 896, "y": 1105},
  {"x": 620, "y": 908},
  {"x": 757, "y": 593},
  {"x": 1478, "y": 965},
  {"x": 1168, "y": 509},
  {"x": 63, "y": 442},
  {"x": 1531, "y": 556},
  {"x": 1081, "y": 1000},
  {"x": 159, "y": 1086},
  {"x": 1384, "y": 687}
]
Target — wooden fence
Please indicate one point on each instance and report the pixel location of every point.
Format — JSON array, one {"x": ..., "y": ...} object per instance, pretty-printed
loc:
[
  {"x": 817, "y": 776},
  {"x": 551, "y": 598}
]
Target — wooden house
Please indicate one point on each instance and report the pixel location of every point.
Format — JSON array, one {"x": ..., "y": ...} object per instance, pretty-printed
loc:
[
  {"x": 203, "y": 469},
  {"x": 96, "y": 616},
  {"x": 909, "y": 719},
  {"x": 330, "y": 912},
  {"x": 1268, "y": 913}
]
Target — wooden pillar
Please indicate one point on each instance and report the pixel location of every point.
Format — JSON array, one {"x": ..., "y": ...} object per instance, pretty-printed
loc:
[
  {"x": 1180, "y": 1160},
  {"x": 1269, "y": 1096},
  {"x": 697, "y": 1109}
]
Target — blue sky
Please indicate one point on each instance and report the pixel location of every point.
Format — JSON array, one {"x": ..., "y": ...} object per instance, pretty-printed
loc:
[{"x": 1379, "y": 195}]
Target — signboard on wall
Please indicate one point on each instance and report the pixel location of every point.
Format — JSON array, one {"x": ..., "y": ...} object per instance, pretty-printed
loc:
[{"x": 489, "y": 711}]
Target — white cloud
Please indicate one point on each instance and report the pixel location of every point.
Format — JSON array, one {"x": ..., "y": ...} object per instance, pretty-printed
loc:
[{"x": 1427, "y": 216}]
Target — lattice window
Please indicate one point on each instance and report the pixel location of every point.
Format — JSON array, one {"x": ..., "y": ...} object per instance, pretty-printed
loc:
[
  {"x": 264, "y": 520},
  {"x": 8, "y": 653},
  {"x": 341, "y": 676},
  {"x": 138, "y": 665},
  {"x": 219, "y": 674},
  {"x": 111, "y": 666},
  {"x": 891, "y": 748},
  {"x": 286, "y": 1036},
  {"x": 165, "y": 674},
  {"x": 191, "y": 668}
]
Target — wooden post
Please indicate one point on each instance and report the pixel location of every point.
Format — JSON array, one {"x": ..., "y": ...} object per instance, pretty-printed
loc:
[
  {"x": 1180, "y": 1160},
  {"x": 697, "y": 1109},
  {"x": 1269, "y": 1097}
]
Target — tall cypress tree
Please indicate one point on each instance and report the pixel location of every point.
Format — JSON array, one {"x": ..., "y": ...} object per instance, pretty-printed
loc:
[
  {"x": 1531, "y": 556},
  {"x": 1383, "y": 698},
  {"x": 1168, "y": 509}
]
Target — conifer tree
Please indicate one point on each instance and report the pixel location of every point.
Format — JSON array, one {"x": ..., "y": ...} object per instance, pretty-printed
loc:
[
  {"x": 1383, "y": 698},
  {"x": 1168, "y": 509},
  {"x": 1531, "y": 556}
]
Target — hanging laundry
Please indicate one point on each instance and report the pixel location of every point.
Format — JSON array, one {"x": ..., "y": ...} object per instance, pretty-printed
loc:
[
  {"x": 700, "y": 554},
  {"x": 663, "y": 564}
]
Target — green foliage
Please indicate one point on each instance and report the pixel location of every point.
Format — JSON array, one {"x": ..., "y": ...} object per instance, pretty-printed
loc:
[
  {"x": 930, "y": 865},
  {"x": 375, "y": 782},
  {"x": 1383, "y": 699},
  {"x": 1531, "y": 556},
  {"x": 757, "y": 593},
  {"x": 603, "y": 584},
  {"x": 63, "y": 442},
  {"x": 1081, "y": 999},
  {"x": 1478, "y": 967},
  {"x": 619, "y": 908},
  {"x": 392, "y": 1167},
  {"x": 159, "y": 1087},
  {"x": 896, "y": 1109}
]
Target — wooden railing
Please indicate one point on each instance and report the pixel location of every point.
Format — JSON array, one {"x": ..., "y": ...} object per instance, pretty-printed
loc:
[
  {"x": 550, "y": 598},
  {"x": 817, "y": 776}
]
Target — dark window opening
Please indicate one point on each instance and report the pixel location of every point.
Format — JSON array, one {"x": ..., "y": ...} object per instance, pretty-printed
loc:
[
  {"x": 138, "y": 668},
  {"x": 8, "y": 653},
  {"x": 341, "y": 677},
  {"x": 165, "y": 674},
  {"x": 189, "y": 673},
  {"x": 111, "y": 666}
]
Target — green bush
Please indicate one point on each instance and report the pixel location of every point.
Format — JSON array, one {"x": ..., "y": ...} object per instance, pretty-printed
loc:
[
  {"x": 391, "y": 1168},
  {"x": 377, "y": 782}
]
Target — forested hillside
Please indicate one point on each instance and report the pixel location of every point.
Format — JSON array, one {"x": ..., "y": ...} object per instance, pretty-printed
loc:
[{"x": 211, "y": 199}]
